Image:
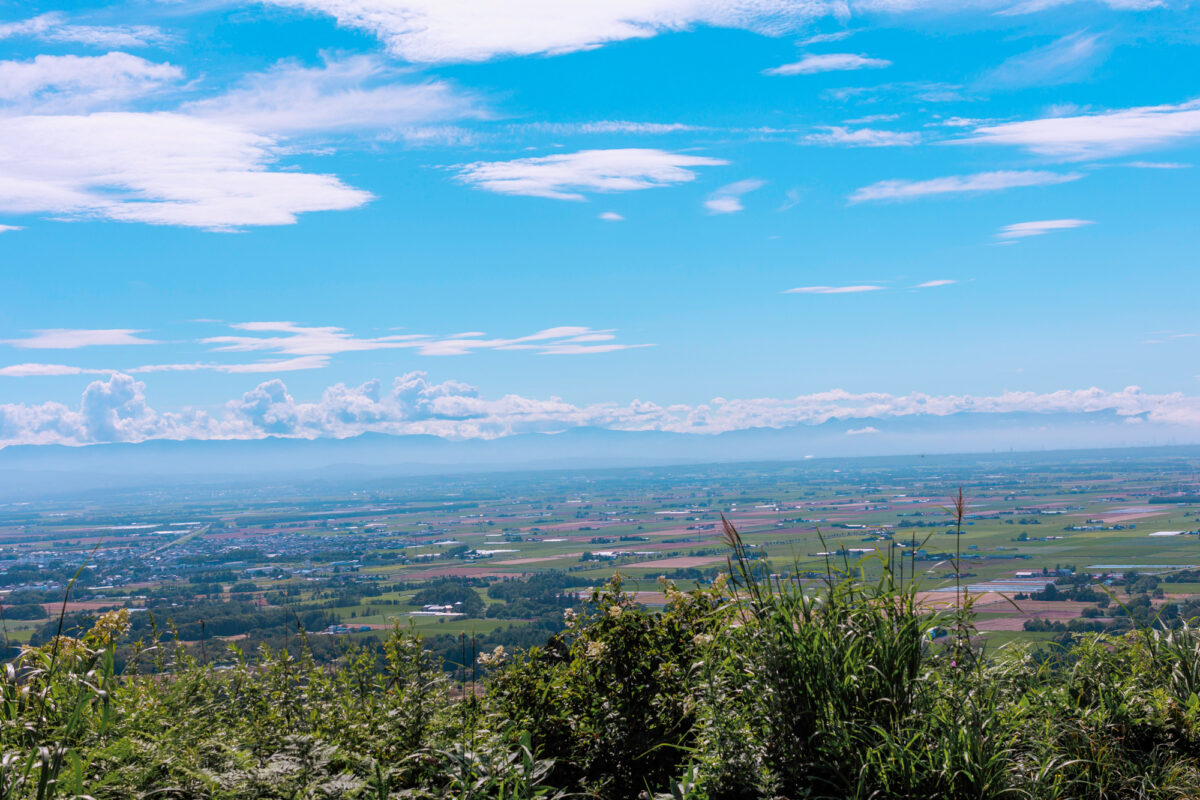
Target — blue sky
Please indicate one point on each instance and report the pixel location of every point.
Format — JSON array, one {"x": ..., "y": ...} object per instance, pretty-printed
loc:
[{"x": 239, "y": 219}]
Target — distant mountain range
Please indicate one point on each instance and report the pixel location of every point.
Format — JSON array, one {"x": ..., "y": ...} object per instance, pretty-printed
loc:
[{"x": 42, "y": 469}]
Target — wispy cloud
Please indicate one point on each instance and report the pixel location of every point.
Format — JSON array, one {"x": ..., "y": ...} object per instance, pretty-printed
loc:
[
  {"x": 958, "y": 184},
  {"x": 869, "y": 429},
  {"x": 822, "y": 38},
  {"x": 872, "y": 118},
  {"x": 73, "y": 338},
  {"x": 1156, "y": 165},
  {"x": 932, "y": 284},
  {"x": 828, "y": 62},
  {"x": 289, "y": 338},
  {"x": 834, "y": 289},
  {"x": 1022, "y": 230},
  {"x": 8, "y": 228},
  {"x": 430, "y": 31},
  {"x": 1065, "y": 60},
  {"x": 50, "y": 84},
  {"x": 56, "y": 27},
  {"x": 728, "y": 199},
  {"x": 862, "y": 137},
  {"x": 158, "y": 168},
  {"x": 29, "y": 370},
  {"x": 608, "y": 126},
  {"x": 359, "y": 93},
  {"x": 569, "y": 175},
  {"x": 1100, "y": 135},
  {"x": 610, "y": 216}
]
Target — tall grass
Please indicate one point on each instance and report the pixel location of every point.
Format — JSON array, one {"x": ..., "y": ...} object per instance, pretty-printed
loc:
[{"x": 763, "y": 685}]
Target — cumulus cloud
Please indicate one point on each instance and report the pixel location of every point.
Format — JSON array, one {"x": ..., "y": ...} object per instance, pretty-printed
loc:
[
  {"x": 862, "y": 137},
  {"x": 116, "y": 410},
  {"x": 834, "y": 289},
  {"x": 958, "y": 184},
  {"x": 1100, "y": 135},
  {"x": 828, "y": 62},
  {"x": 71, "y": 338},
  {"x": 1021, "y": 230},
  {"x": 56, "y": 27},
  {"x": 728, "y": 199},
  {"x": 158, "y": 168},
  {"x": 569, "y": 175}
]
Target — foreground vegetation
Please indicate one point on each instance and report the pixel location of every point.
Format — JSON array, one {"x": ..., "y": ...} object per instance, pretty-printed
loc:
[{"x": 753, "y": 687}]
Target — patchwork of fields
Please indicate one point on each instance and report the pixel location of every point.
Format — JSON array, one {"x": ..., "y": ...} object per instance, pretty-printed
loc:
[{"x": 359, "y": 558}]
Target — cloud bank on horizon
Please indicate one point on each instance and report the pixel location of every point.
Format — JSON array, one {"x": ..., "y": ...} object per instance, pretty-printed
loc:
[{"x": 116, "y": 409}]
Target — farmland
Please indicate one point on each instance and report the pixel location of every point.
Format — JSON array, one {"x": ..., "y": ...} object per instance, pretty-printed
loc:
[{"x": 251, "y": 564}]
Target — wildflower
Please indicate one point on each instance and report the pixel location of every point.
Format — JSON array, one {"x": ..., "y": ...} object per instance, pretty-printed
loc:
[
  {"x": 595, "y": 649},
  {"x": 494, "y": 658},
  {"x": 110, "y": 626},
  {"x": 702, "y": 639},
  {"x": 569, "y": 617},
  {"x": 614, "y": 611},
  {"x": 672, "y": 593}
]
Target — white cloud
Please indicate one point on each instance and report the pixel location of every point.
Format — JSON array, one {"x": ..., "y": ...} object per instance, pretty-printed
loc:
[
  {"x": 870, "y": 118},
  {"x": 611, "y": 216},
  {"x": 54, "y": 27},
  {"x": 1065, "y": 60},
  {"x": 58, "y": 83},
  {"x": 356, "y": 93},
  {"x": 569, "y": 175},
  {"x": 40, "y": 370},
  {"x": 8, "y": 228},
  {"x": 955, "y": 184},
  {"x": 822, "y": 38},
  {"x": 932, "y": 284},
  {"x": 289, "y": 338},
  {"x": 159, "y": 168},
  {"x": 608, "y": 126},
  {"x": 116, "y": 409},
  {"x": 1022, "y": 230},
  {"x": 861, "y": 431},
  {"x": 834, "y": 289},
  {"x": 1156, "y": 165},
  {"x": 467, "y": 30},
  {"x": 72, "y": 338},
  {"x": 1099, "y": 135},
  {"x": 728, "y": 199},
  {"x": 276, "y": 365},
  {"x": 298, "y": 347},
  {"x": 863, "y": 137},
  {"x": 1037, "y": 6},
  {"x": 828, "y": 62}
]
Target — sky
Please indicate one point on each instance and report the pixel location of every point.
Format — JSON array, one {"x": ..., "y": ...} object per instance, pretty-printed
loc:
[{"x": 326, "y": 217}]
